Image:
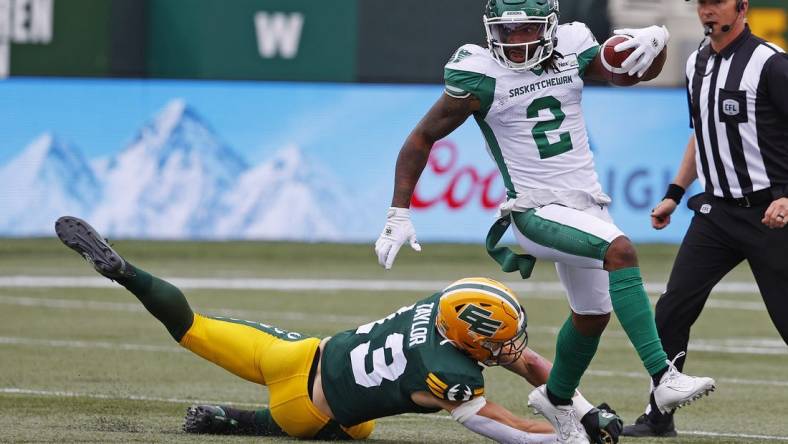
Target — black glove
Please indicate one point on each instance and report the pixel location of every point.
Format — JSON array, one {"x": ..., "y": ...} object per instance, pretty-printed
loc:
[
  {"x": 602, "y": 424},
  {"x": 211, "y": 419}
]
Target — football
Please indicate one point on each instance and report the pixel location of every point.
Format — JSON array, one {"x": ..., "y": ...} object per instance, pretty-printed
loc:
[{"x": 612, "y": 60}]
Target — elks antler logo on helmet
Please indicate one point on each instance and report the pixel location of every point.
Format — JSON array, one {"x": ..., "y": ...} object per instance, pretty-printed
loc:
[
  {"x": 479, "y": 320},
  {"x": 482, "y": 318}
]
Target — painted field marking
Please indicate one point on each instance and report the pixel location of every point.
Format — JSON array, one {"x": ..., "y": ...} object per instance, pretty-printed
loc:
[
  {"x": 535, "y": 290},
  {"x": 315, "y": 284},
  {"x": 103, "y": 345},
  {"x": 136, "y": 307},
  {"x": 61, "y": 343},
  {"x": 67, "y": 394},
  {"x": 755, "y": 346}
]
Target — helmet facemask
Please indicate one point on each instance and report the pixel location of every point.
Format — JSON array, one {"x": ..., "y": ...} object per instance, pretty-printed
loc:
[
  {"x": 505, "y": 353},
  {"x": 520, "y": 42}
]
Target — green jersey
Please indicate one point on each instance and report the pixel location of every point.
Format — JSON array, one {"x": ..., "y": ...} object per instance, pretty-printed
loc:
[{"x": 371, "y": 372}]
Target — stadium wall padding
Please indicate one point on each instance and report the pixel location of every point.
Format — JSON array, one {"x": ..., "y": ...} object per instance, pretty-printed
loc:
[{"x": 374, "y": 41}]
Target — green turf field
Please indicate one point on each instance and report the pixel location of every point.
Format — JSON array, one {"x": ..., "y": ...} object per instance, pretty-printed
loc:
[{"x": 90, "y": 365}]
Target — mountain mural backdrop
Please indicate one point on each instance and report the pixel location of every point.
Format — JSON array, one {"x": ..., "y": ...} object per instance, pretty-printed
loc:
[{"x": 177, "y": 179}]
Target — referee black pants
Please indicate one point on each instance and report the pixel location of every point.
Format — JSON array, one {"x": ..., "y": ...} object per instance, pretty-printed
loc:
[{"x": 720, "y": 236}]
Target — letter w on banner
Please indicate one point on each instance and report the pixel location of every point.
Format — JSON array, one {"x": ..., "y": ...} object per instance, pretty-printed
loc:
[{"x": 278, "y": 33}]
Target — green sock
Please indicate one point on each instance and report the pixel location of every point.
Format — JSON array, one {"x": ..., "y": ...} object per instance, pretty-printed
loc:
[
  {"x": 264, "y": 424},
  {"x": 162, "y": 299},
  {"x": 633, "y": 310},
  {"x": 573, "y": 354}
]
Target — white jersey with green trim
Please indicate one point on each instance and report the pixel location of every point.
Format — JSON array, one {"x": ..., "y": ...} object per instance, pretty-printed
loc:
[{"x": 532, "y": 120}]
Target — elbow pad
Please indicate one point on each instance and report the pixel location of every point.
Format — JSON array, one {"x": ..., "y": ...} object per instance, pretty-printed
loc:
[{"x": 466, "y": 410}]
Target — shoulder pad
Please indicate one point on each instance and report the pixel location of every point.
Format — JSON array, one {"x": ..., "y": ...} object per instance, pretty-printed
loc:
[
  {"x": 466, "y": 73},
  {"x": 455, "y": 387},
  {"x": 471, "y": 58},
  {"x": 575, "y": 38}
]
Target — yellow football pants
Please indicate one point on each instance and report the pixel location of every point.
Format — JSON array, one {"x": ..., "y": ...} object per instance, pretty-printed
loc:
[{"x": 254, "y": 352}]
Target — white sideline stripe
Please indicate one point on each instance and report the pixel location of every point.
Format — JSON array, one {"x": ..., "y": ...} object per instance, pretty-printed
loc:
[
  {"x": 136, "y": 307},
  {"x": 88, "y": 344},
  {"x": 756, "y": 346},
  {"x": 535, "y": 290},
  {"x": 734, "y": 435},
  {"x": 751, "y": 345},
  {"x": 317, "y": 284},
  {"x": 61, "y": 343},
  {"x": 641, "y": 375},
  {"x": 687, "y": 432},
  {"x": 63, "y": 394}
]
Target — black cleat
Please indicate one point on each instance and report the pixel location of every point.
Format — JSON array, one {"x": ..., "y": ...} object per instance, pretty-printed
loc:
[
  {"x": 78, "y": 235},
  {"x": 211, "y": 419},
  {"x": 644, "y": 427}
]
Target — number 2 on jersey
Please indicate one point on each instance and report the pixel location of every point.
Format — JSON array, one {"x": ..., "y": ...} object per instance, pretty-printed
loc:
[{"x": 547, "y": 149}]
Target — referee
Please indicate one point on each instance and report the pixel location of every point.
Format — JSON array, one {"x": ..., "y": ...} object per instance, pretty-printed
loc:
[{"x": 737, "y": 86}]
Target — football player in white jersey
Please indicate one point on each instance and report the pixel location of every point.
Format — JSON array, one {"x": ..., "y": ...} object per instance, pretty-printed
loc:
[{"x": 524, "y": 91}]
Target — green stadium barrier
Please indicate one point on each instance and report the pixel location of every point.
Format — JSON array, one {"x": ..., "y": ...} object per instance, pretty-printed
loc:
[
  {"x": 49, "y": 37},
  {"x": 252, "y": 39}
]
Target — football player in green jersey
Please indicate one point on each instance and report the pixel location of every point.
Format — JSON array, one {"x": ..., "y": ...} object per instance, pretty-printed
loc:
[
  {"x": 524, "y": 91},
  {"x": 422, "y": 358}
]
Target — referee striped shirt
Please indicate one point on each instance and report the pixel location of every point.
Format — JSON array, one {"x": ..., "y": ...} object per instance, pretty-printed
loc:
[{"x": 738, "y": 100}]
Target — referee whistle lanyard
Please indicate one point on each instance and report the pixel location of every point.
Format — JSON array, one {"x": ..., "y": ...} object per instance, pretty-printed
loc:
[{"x": 506, "y": 258}]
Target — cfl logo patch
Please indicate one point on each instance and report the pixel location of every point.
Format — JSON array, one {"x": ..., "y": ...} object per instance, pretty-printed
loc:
[{"x": 730, "y": 107}]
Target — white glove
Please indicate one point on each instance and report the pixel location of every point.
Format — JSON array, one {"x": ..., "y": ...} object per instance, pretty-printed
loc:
[
  {"x": 397, "y": 231},
  {"x": 648, "y": 43}
]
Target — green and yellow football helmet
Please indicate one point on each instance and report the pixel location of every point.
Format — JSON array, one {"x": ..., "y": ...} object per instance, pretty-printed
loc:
[
  {"x": 483, "y": 318},
  {"x": 509, "y": 20}
]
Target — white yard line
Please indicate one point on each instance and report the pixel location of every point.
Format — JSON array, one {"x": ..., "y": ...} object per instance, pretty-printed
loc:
[
  {"x": 734, "y": 435},
  {"x": 317, "y": 284},
  {"x": 534, "y": 290},
  {"x": 755, "y": 346},
  {"x": 65, "y": 394},
  {"x": 103, "y": 345},
  {"x": 60, "y": 343},
  {"x": 136, "y": 307}
]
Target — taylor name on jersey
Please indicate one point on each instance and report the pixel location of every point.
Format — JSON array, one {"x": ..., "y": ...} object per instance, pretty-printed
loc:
[{"x": 531, "y": 119}]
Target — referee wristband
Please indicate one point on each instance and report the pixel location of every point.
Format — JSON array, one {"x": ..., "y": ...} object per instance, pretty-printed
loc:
[{"x": 674, "y": 192}]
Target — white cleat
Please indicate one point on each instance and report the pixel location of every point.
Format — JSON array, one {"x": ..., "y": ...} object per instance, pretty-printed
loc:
[
  {"x": 562, "y": 417},
  {"x": 676, "y": 389}
]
